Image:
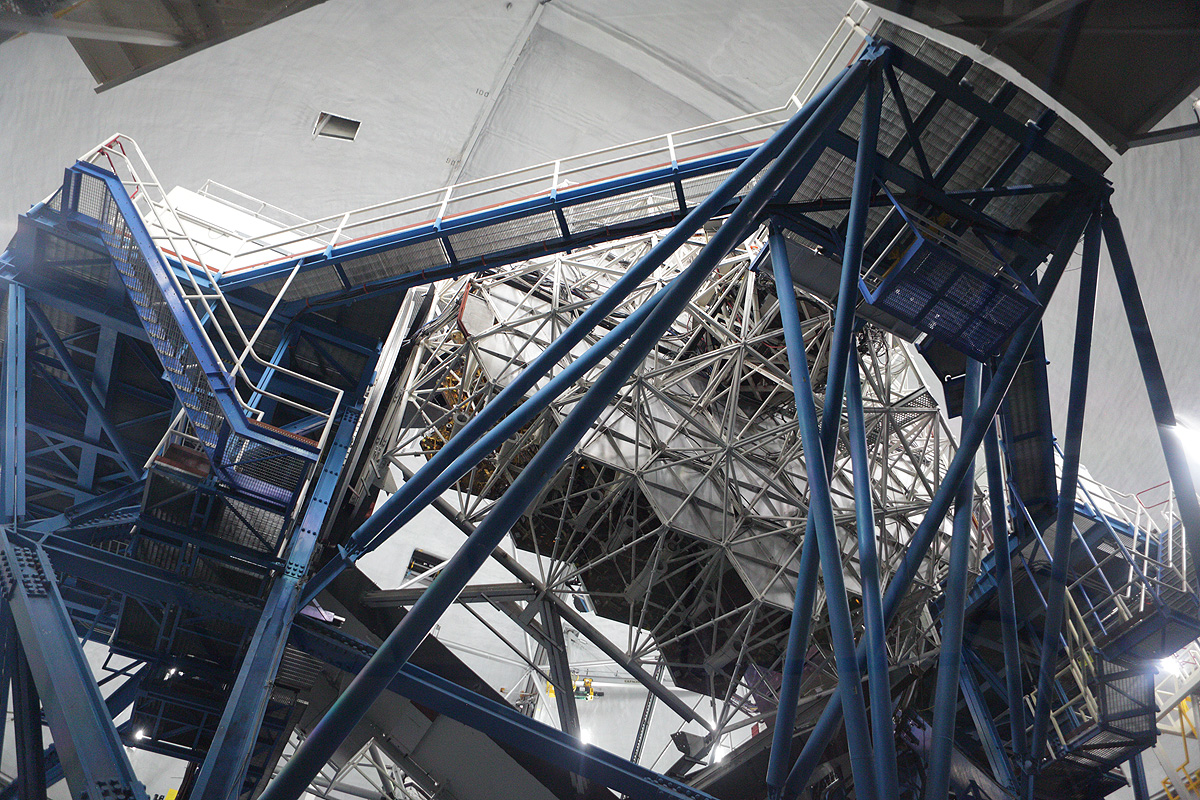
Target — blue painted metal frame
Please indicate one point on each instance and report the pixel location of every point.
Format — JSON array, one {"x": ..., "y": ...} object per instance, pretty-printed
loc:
[
  {"x": 972, "y": 437},
  {"x": 1065, "y": 528},
  {"x": 458, "y": 455},
  {"x": 91, "y": 752},
  {"x": 12, "y": 475},
  {"x": 950, "y": 659},
  {"x": 224, "y": 769},
  {"x": 348, "y": 709}
]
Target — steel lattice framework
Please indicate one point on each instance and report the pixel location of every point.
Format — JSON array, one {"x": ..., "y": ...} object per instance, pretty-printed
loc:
[{"x": 682, "y": 511}]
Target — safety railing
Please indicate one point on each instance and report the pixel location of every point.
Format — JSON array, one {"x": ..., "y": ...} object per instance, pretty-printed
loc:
[
  {"x": 213, "y": 318},
  {"x": 254, "y": 457},
  {"x": 231, "y": 253}
]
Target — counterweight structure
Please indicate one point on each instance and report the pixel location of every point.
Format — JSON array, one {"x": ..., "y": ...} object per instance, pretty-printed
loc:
[{"x": 690, "y": 394}]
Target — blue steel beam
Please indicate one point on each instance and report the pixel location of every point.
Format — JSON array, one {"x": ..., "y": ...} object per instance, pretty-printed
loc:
[
  {"x": 224, "y": 769},
  {"x": 985, "y": 726},
  {"x": 954, "y": 600},
  {"x": 349, "y": 708},
  {"x": 390, "y": 516},
  {"x": 879, "y": 682},
  {"x": 1065, "y": 526},
  {"x": 1137, "y": 778},
  {"x": 1014, "y": 693},
  {"x": 501, "y": 722},
  {"x": 92, "y": 754},
  {"x": 116, "y": 702},
  {"x": 94, "y": 404},
  {"x": 12, "y": 472},
  {"x": 971, "y": 438},
  {"x": 810, "y": 554},
  {"x": 27, "y": 724},
  {"x": 821, "y": 527},
  {"x": 1156, "y": 386}
]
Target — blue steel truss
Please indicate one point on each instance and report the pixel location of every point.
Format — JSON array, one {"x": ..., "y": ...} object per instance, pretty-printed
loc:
[{"x": 191, "y": 549}]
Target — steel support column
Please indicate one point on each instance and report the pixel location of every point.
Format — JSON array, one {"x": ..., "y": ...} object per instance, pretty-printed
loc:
[
  {"x": 821, "y": 525},
  {"x": 879, "y": 683},
  {"x": 91, "y": 752},
  {"x": 12, "y": 472},
  {"x": 1156, "y": 386},
  {"x": 1015, "y": 692},
  {"x": 1137, "y": 778},
  {"x": 349, "y": 708},
  {"x": 27, "y": 724},
  {"x": 806, "y": 581},
  {"x": 408, "y": 499},
  {"x": 954, "y": 604},
  {"x": 1064, "y": 531},
  {"x": 923, "y": 537},
  {"x": 228, "y": 758}
]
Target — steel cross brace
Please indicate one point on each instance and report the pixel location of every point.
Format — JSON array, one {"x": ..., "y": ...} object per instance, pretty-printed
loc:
[
  {"x": 972, "y": 437},
  {"x": 400, "y": 644},
  {"x": 93, "y": 757},
  {"x": 501, "y": 722},
  {"x": 812, "y": 555},
  {"x": 94, "y": 404}
]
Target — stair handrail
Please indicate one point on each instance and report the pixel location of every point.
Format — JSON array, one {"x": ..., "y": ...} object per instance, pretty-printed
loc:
[{"x": 115, "y": 147}]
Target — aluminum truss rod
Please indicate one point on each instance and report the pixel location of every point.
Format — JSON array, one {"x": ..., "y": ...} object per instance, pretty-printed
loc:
[
  {"x": 923, "y": 537},
  {"x": 560, "y": 669},
  {"x": 82, "y": 384},
  {"x": 950, "y": 660},
  {"x": 579, "y": 623},
  {"x": 471, "y": 444},
  {"x": 1156, "y": 386},
  {"x": 383, "y": 522},
  {"x": 602, "y": 642},
  {"x": 1008, "y": 608},
  {"x": 820, "y": 514},
  {"x": 879, "y": 683},
  {"x": 1064, "y": 531},
  {"x": 12, "y": 471},
  {"x": 647, "y": 715},
  {"x": 806, "y": 582},
  {"x": 395, "y": 651}
]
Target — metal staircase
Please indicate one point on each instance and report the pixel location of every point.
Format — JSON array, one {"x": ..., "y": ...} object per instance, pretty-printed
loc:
[{"x": 250, "y": 455}]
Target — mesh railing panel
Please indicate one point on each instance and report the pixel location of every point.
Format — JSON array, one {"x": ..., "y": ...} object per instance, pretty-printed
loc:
[{"x": 256, "y": 462}]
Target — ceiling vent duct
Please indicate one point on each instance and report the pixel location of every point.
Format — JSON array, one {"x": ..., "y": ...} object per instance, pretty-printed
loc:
[{"x": 331, "y": 126}]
